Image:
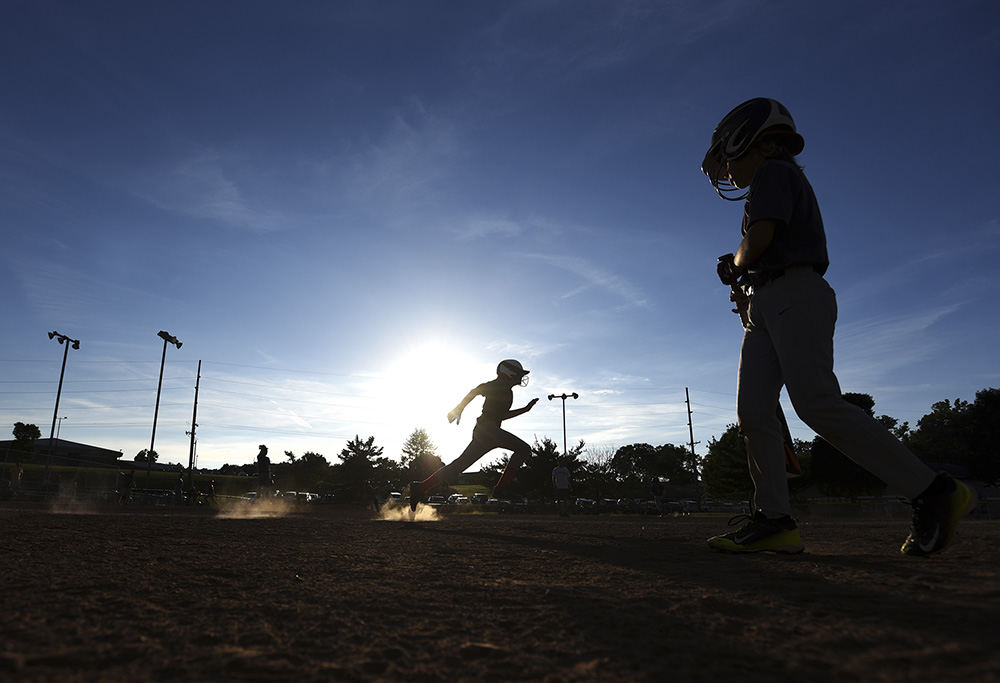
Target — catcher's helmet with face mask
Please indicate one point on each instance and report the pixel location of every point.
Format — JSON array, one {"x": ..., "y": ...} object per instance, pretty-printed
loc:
[
  {"x": 512, "y": 369},
  {"x": 737, "y": 133}
]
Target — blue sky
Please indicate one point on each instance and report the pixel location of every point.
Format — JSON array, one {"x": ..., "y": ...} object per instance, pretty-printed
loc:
[{"x": 351, "y": 211}]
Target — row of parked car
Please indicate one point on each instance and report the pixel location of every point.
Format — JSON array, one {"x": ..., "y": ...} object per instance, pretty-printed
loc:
[
  {"x": 581, "y": 505},
  {"x": 293, "y": 496}
]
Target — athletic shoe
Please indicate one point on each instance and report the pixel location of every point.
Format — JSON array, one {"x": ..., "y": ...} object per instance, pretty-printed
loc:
[
  {"x": 760, "y": 534},
  {"x": 414, "y": 495},
  {"x": 936, "y": 512}
]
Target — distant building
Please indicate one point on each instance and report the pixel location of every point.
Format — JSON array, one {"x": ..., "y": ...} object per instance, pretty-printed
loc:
[{"x": 67, "y": 453}]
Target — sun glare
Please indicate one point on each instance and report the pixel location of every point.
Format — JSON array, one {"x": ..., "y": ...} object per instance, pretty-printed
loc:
[{"x": 422, "y": 384}]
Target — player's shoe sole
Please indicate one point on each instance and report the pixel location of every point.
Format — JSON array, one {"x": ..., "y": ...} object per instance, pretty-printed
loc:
[
  {"x": 761, "y": 535},
  {"x": 936, "y": 513}
]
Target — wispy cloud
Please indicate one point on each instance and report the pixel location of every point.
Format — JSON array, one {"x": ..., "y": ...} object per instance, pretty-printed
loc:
[
  {"x": 594, "y": 276},
  {"x": 200, "y": 187},
  {"x": 405, "y": 166},
  {"x": 522, "y": 349},
  {"x": 870, "y": 348},
  {"x": 601, "y": 36},
  {"x": 482, "y": 227}
]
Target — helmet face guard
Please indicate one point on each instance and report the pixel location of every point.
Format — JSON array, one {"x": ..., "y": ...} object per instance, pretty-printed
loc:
[
  {"x": 513, "y": 370},
  {"x": 736, "y": 134}
]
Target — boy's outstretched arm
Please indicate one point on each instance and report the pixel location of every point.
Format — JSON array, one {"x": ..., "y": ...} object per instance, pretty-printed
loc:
[
  {"x": 522, "y": 411},
  {"x": 456, "y": 414}
]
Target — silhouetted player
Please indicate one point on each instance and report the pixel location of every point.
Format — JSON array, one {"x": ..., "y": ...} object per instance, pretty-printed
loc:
[
  {"x": 791, "y": 312},
  {"x": 265, "y": 484},
  {"x": 487, "y": 435}
]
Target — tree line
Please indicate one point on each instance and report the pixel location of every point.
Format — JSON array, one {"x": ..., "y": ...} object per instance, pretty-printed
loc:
[{"x": 955, "y": 434}]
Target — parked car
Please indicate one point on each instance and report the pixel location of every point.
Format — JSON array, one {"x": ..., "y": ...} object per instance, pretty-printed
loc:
[
  {"x": 479, "y": 498},
  {"x": 436, "y": 501},
  {"x": 587, "y": 506},
  {"x": 457, "y": 499}
]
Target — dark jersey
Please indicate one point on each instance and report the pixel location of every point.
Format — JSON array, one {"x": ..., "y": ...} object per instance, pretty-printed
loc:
[
  {"x": 499, "y": 397},
  {"x": 780, "y": 192}
]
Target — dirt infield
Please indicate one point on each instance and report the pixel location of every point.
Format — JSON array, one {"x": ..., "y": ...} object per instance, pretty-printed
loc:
[{"x": 338, "y": 595}]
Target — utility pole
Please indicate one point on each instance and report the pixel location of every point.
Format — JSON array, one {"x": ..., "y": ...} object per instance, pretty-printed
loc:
[
  {"x": 75, "y": 343},
  {"x": 687, "y": 399},
  {"x": 692, "y": 442},
  {"x": 194, "y": 425},
  {"x": 167, "y": 338}
]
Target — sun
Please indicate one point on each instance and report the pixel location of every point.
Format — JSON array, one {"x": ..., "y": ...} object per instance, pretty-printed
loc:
[{"x": 423, "y": 383}]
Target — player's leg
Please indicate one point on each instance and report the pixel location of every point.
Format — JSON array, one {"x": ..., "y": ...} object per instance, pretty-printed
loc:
[
  {"x": 802, "y": 319},
  {"x": 769, "y": 527},
  {"x": 806, "y": 353},
  {"x": 521, "y": 451},
  {"x": 759, "y": 385},
  {"x": 476, "y": 449}
]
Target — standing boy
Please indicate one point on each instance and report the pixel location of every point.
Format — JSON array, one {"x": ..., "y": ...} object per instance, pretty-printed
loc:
[
  {"x": 788, "y": 340},
  {"x": 560, "y": 482},
  {"x": 487, "y": 434}
]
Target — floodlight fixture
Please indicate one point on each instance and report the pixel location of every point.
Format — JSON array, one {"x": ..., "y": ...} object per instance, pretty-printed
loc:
[
  {"x": 167, "y": 337},
  {"x": 564, "y": 396}
]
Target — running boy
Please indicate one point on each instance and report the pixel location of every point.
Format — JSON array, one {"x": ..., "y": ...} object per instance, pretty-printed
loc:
[
  {"x": 791, "y": 313},
  {"x": 487, "y": 434}
]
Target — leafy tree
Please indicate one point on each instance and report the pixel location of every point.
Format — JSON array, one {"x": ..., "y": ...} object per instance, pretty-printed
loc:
[
  {"x": 941, "y": 435},
  {"x": 724, "y": 469},
  {"x": 596, "y": 478},
  {"x": 311, "y": 472},
  {"x": 354, "y": 473},
  {"x": 535, "y": 476},
  {"x": 26, "y": 432},
  {"x": 964, "y": 434},
  {"x": 420, "y": 455},
  {"x": 146, "y": 454},
  {"x": 984, "y": 436},
  {"x": 638, "y": 464},
  {"x": 803, "y": 451},
  {"x": 25, "y": 437},
  {"x": 837, "y": 475},
  {"x": 676, "y": 464},
  {"x": 388, "y": 475},
  {"x": 631, "y": 463}
]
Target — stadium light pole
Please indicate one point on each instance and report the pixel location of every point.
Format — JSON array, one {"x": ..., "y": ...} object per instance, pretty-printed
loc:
[
  {"x": 167, "y": 339},
  {"x": 564, "y": 397},
  {"x": 59, "y": 426},
  {"x": 75, "y": 343}
]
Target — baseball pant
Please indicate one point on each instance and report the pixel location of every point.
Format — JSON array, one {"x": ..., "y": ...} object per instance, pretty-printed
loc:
[
  {"x": 790, "y": 342},
  {"x": 485, "y": 437}
]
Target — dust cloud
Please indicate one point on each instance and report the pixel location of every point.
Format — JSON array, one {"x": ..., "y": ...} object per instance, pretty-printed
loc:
[
  {"x": 261, "y": 509},
  {"x": 394, "y": 512}
]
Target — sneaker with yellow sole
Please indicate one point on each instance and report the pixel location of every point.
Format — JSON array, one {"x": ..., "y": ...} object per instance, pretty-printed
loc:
[
  {"x": 760, "y": 535},
  {"x": 936, "y": 512}
]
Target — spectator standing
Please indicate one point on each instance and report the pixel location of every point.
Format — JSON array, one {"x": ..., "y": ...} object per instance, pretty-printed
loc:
[{"x": 561, "y": 484}]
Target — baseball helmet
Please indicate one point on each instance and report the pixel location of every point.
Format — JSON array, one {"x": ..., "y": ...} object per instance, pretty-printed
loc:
[
  {"x": 739, "y": 130},
  {"x": 512, "y": 369}
]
